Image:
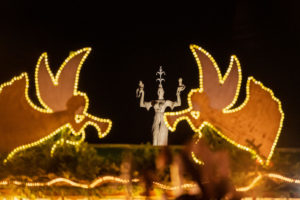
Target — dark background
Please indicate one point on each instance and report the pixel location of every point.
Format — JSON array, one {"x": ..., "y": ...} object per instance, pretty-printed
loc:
[{"x": 130, "y": 42}]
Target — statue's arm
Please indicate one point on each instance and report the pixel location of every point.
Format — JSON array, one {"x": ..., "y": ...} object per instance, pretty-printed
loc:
[
  {"x": 141, "y": 94},
  {"x": 143, "y": 103},
  {"x": 178, "y": 101},
  {"x": 173, "y": 104}
]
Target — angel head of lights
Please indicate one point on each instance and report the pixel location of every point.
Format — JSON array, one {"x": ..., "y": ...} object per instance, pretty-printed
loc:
[
  {"x": 253, "y": 126},
  {"x": 24, "y": 124}
]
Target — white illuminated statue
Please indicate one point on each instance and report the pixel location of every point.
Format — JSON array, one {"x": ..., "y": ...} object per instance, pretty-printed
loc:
[{"x": 159, "y": 129}]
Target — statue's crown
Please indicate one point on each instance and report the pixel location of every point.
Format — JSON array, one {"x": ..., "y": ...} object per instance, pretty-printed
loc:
[{"x": 160, "y": 79}]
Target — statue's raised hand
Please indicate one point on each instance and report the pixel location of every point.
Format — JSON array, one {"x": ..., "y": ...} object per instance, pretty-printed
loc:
[
  {"x": 181, "y": 86},
  {"x": 140, "y": 89}
]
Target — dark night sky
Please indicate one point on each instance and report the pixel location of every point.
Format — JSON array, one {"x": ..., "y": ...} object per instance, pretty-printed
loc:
[{"x": 130, "y": 43}]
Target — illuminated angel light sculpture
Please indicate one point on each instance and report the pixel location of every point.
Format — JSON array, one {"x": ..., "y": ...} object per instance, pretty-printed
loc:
[
  {"x": 159, "y": 129},
  {"x": 23, "y": 124},
  {"x": 254, "y": 126}
]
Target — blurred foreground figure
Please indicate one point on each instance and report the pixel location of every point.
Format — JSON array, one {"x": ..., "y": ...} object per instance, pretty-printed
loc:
[
  {"x": 213, "y": 176},
  {"x": 166, "y": 159},
  {"x": 126, "y": 173}
]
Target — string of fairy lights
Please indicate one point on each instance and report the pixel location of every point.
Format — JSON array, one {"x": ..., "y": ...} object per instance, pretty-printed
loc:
[{"x": 113, "y": 179}]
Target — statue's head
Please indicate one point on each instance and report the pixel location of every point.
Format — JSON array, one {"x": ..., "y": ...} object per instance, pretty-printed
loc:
[{"x": 160, "y": 92}]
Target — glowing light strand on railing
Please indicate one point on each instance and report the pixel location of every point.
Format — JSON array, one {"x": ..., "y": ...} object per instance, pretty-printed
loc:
[
  {"x": 114, "y": 179},
  {"x": 251, "y": 185}
]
